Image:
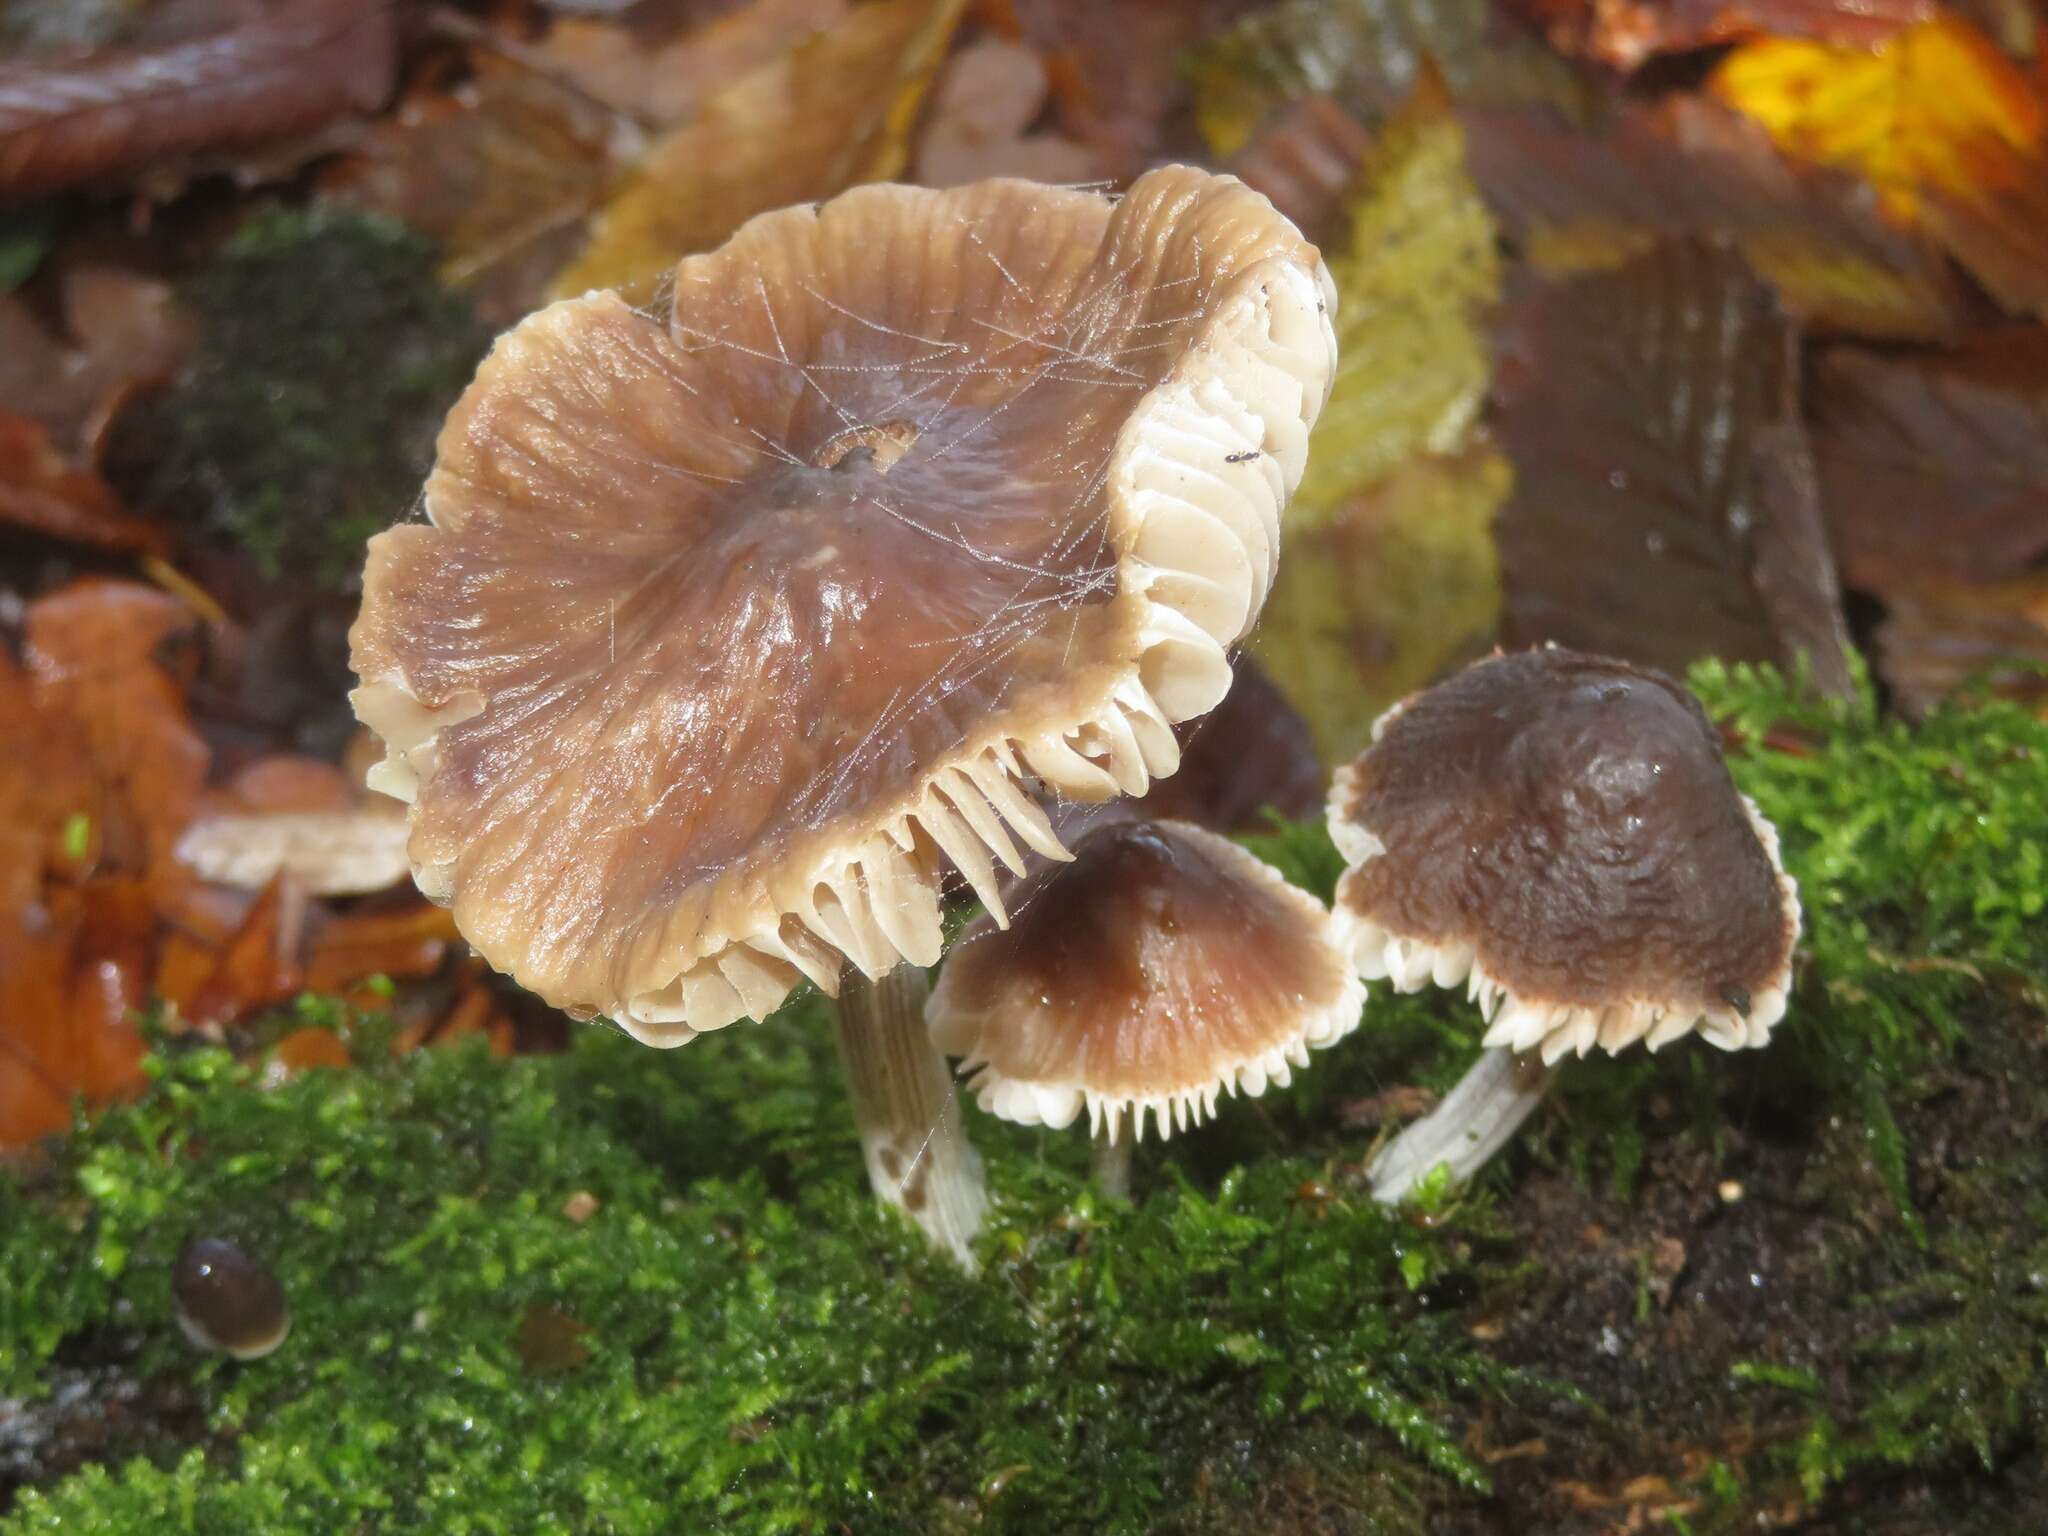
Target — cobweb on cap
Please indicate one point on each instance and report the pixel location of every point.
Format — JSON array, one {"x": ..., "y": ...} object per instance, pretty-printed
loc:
[{"x": 1091, "y": 341}]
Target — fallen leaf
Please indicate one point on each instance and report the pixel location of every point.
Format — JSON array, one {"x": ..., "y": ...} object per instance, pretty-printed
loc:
[
  {"x": 1950, "y": 132},
  {"x": 1935, "y": 463},
  {"x": 91, "y": 651},
  {"x": 550, "y": 1342},
  {"x": 1404, "y": 1101},
  {"x": 1412, "y": 288},
  {"x": 122, "y": 332},
  {"x": 987, "y": 96},
  {"x": 43, "y": 494},
  {"x": 284, "y": 782},
  {"x": 1592, "y": 195},
  {"x": 104, "y": 770},
  {"x": 410, "y": 941},
  {"x": 275, "y": 74},
  {"x": 302, "y": 1051},
  {"x": 1307, "y": 159},
  {"x": 1370, "y": 55},
  {"x": 1939, "y": 636},
  {"x": 833, "y": 111},
  {"x": 1629, "y": 33},
  {"x": 1390, "y": 573},
  {"x": 502, "y": 172},
  {"x": 661, "y": 81},
  {"x": 1251, "y": 753},
  {"x": 263, "y": 964},
  {"x": 1396, "y": 586},
  {"x": 1665, "y": 504},
  {"x": 1116, "y": 71}
]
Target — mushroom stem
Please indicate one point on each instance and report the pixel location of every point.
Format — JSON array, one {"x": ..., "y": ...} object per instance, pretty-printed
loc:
[
  {"x": 1112, "y": 1160},
  {"x": 918, "y": 1155},
  {"x": 1475, "y": 1120}
]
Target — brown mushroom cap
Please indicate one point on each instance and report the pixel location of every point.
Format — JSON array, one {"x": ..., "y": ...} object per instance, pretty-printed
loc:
[
  {"x": 1162, "y": 967},
  {"x": 1560, "y": 832},
  {"x": 725, "y": 631},
  {"x": 228, "y": 1301}
]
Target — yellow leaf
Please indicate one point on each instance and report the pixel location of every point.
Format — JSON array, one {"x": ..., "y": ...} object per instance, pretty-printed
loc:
[
  {"x": 1390, "y": 576},
  {"x": 834, "y": 110},
  {"x": 1933, "y": 110},
  {"x": 1412, "y": 289},
  {"x": 1385, "y": 594}
]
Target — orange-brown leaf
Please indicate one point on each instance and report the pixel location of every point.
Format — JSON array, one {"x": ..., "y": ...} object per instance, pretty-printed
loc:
[
  {"x": 1950, "y": 132},
  {"x": 834, "y": 110},
  {"x": 42, "y": 493}
]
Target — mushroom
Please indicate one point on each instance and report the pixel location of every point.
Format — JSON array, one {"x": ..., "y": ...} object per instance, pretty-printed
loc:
[
  {"x": 228, "y": 1302},
  {"x": 1161, "y": 968},
  {"x": 1559, "y": 832},
  {"x": 730, "y": 630}
]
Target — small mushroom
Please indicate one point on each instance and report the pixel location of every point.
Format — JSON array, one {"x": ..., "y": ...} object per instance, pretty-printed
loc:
[
  {"x": 1162, "y": 968},
  {"x": 728, "y": 631},
  {"x": 227, "y": 1301},
  {"x": 1558, "y": 832}
]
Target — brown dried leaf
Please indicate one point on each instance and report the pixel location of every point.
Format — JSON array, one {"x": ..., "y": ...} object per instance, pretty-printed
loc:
[
  {"x": 1592, "y": 196},
  {"x": 277, "y": 74},
  {"x": 662, "y": 81},
  {"x": 91, "y": 651},
  {"x": 1396, "y": 586},
  {"x": 122, "y": 331},
  {"x": 987, "y": 95},
  {"x": 1938, "y": 636},
  {"x": 42, "y": 494},
  {"x": 1117, "y": 72},
  {"x": 1665, "y": 505},
  {"x": 410, "y": 941},
  {"x": 502, "y": 172},
  {"x": 1306, "y": 158},
  {"x": 263, "y": 963},
  {"x": 1935, "y": 463},
  {"x": 833, "y": 111},
  {"x": 1628, "y": 33},
  {"x": 283, "y": 782},
  {"x": 1250, "y": 753}
]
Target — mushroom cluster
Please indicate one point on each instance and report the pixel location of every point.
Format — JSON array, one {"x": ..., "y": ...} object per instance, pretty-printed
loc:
[
  {"x": 730, "y": 632},
  {"x": 1559, "y": 833}
]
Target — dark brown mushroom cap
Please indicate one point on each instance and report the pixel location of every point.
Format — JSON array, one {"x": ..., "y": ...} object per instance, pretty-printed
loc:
[
  {"x": 1562, "y": 829},
  {"x": 726, "y": 631},
  {"x": 228, "y": 1301},
  {"x": 1164, "y": 966}
]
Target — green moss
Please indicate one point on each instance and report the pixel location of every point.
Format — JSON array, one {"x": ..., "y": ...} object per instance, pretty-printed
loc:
[
  {"x": 765, "y": 1350},
  {"x": 305, "y": 420},
  {"x": 738, "y": 1339}
]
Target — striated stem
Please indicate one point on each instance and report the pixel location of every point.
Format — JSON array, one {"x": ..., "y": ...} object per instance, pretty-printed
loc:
[
  {"x": 918, "y": 1155},
  {"x": 1475, "y": 1120},
  {"x": 1112, "y": 1161}
]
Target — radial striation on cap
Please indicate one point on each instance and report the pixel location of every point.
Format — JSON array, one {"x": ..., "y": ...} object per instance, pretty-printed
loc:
[
  {"x": 1559, "y": 832},
  {"x": 729, "y": 631},
  {"x": 1164, "y": 967}
]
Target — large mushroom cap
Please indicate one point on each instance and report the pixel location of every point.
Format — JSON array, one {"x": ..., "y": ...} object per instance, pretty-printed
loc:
[
  {"x": 724, "y": 631},
  {"x": 1164, "y": 966},
  {"x": 1560, "y": 831}
]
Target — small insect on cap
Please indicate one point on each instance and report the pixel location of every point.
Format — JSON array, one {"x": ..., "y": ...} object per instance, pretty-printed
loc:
[
  {"x": 1559, "y": 832},
  {"x": 727, "y": 629},
  {"x": 1163, "y": 967}
]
